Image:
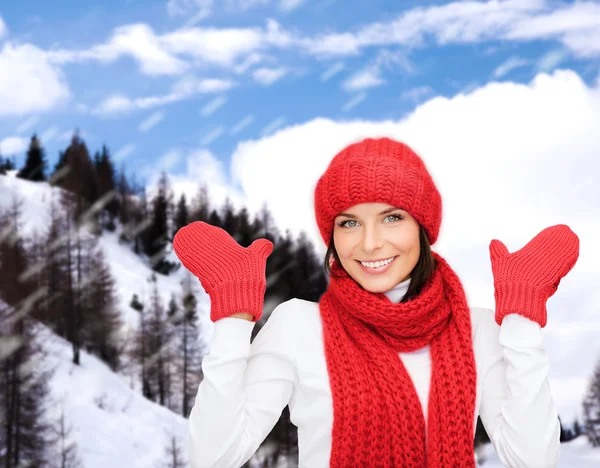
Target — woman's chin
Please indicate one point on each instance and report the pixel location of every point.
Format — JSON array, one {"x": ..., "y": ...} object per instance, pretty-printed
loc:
[{"x": 377, "y": 283}]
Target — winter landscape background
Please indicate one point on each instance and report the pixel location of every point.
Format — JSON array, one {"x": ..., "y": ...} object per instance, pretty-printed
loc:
[{"x": 122, "y": 121}]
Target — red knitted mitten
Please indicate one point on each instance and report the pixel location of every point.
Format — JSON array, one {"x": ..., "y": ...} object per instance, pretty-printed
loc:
[
  {"x": 233, "y": 276},
  {"x": 525, "y": 279}
]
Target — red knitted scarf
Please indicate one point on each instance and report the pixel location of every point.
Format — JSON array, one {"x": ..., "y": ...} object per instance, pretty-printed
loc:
[{"x": 378, "y": 419}]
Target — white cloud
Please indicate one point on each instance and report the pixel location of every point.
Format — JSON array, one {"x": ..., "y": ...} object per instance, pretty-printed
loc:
[
  {"x": 222, "y": 47},
  {"x": 28, "y": 83},
  {"x": 577, "y": 26},
  {"x": 135, "y": 40},
  {"x": 508, "y": 65},
  {"x": 115, "y": 104},
  {"x": 151, "y": 121},
  {"x": 366, "y": 78},
  {"x": 268, "y": 76},
  {"x": 3, "y": 28},
  {"x": 186, "y": 87},
  {"x": 13, "y": 145},
  {"x": 173, "y": 53},
  {"x": 212, "y": 45}
]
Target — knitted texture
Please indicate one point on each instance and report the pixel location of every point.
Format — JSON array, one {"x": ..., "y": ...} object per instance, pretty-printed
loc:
[
  {"x": 233, "y": 276},
  {"x": 525, "y": 279},
  {"x": 378, "y": 170},
  {"x": 378, "y": 419}
]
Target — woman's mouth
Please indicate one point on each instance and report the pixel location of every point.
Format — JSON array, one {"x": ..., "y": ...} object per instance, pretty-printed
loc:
[{"x": 377, "y": 268}]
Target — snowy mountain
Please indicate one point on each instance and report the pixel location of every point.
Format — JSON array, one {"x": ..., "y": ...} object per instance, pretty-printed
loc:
[{"x": 113, "y": 424}]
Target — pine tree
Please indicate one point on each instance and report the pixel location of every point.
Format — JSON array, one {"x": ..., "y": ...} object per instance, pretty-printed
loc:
[
  {"x": 66, "y": 452},
  {"x": 591, "y": 408},
  {"x": 200, "y": 210},
  {"x": 35, "y": 164},
  {"x": 174, "y": 457},
  {"x": 25, "y": 396},
  {"x": 181, "y": 215},
  {"x": 214, "y": 219},
  {"x": 124, "y": 190},
  {"x": 103, "y": 321},
  {"x": 157, "y": 236},
  {"x": 576, "y": 428},
  {"x": 230, "y": 222},
  {"x": 244, "y": 228},
  {"x": 81, "y": 179},
  {"x": 13, "y": 257},
  {"x": 187, "y": 328},
  {"x": 565, "y": 432},
  {"x": 46, "y": 254},
  {"x": 107, "y": 187},
  {"x": 5, "y": 165},
  {"x": 152, "y": 349}
]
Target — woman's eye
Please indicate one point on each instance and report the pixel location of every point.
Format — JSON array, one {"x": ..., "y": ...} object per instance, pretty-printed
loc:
[{"x": 344, "y": 223}]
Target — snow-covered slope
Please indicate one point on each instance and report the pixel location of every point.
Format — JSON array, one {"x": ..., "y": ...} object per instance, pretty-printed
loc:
[
  {"x": 113, "y": 424},
  {"x": 129, "y": 430}
]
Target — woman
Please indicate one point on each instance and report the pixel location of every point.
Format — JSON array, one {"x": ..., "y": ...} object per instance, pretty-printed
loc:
[{"x": 391, "y": 367}]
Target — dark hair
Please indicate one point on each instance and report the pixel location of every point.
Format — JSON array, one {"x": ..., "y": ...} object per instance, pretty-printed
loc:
[{"x": 420, "y": 274}]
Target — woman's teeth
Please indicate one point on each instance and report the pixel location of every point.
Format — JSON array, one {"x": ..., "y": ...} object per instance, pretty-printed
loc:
[{"x": 377, "y": 264}]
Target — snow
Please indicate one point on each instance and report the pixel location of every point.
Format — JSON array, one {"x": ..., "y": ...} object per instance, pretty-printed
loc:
[
  {"x": 577, "y": 453},
  {"x": 114, "y": 424}
]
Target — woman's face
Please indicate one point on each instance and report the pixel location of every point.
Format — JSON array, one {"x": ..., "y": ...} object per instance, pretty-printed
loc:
[{"x": 376, "y": 231}]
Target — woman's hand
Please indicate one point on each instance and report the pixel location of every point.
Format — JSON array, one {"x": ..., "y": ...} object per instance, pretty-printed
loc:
[
  {"x": 233, "y": 276},
  {"x": 525, "y": 279}
]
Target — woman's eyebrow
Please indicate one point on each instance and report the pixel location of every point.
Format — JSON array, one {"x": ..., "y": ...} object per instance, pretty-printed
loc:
[{"x": 389, "y": 210}]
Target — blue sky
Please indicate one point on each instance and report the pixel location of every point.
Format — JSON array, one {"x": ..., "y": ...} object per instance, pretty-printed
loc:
[{"x": 262, "y": 80}]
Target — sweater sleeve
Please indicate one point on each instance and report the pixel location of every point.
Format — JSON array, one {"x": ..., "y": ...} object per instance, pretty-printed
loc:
[
  {"x": 244, "y": 390},
  {"x": 517, "y": 409}
]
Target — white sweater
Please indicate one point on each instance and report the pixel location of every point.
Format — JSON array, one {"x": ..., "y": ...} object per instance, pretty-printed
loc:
[{"x": 246, "y": 386}]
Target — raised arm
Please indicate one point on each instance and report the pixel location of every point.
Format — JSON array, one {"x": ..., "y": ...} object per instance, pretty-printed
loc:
[
  {"x": 245, "y": 386},
  {"x": 517, "y": 409},
  {"x": 244, "y": 390}
]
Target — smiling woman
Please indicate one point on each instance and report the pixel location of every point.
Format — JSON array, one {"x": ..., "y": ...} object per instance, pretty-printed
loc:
[{"x": 391, "y": 367}]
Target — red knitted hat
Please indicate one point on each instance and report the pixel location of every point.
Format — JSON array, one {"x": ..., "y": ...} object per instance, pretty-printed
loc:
[{"x": 378, "y": 170}]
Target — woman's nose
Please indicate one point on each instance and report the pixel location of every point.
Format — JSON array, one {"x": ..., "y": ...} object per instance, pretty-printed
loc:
[{"x": 372, "y": 239}]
